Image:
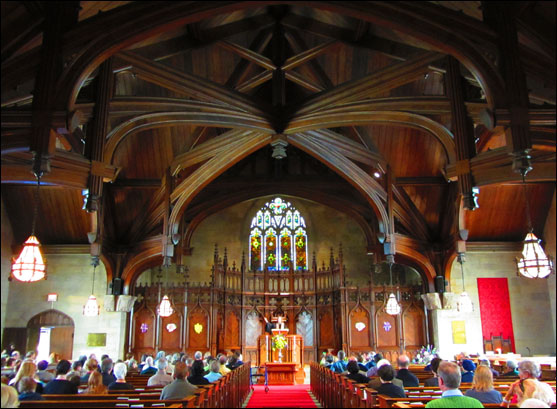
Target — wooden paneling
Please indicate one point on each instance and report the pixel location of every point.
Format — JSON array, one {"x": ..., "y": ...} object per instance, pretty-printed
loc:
[
  {"x": 359, "y": 338},
  {"x": 61, "y": 219},
  {"x": 326, "y": 330},
  {"x": 198, "y": 340},
  {"x": 232, "y": 331},
  {"x": 92, "y": 8},
  {"x": 502, "y": 212},
  {"x": 61, "y": 342},
  {"x": 129, "y": 84},
  {"x": 413, "y": 330},
  {"x": 171, "y": 340},
  {"x": 430, "y": 201},
  {"x": 124, "y": 215},
  {"x": 386, "y": 330},
  {"x": 144, "y": 330},
  {"x": 410, "y": 152}
]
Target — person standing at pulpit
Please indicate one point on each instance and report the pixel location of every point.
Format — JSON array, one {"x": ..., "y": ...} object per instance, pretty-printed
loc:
[{"x": 269, "y": 326}]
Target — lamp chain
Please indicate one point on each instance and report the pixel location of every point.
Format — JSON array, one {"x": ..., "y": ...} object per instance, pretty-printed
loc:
[
  {"x": 528, "y": 218},
  {"x": 94, "y": 269},
  {"x": 462, "y": 274},
  {"x": 36, "y": 212}
]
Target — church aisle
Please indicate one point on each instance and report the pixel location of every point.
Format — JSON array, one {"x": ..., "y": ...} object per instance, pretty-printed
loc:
[{"x": 282, "y": 396}]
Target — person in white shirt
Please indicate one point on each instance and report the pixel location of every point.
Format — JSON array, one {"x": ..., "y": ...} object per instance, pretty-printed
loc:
[{"x": 161, "y": 377}]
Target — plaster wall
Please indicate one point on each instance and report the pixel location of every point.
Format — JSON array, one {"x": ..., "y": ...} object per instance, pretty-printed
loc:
[
  {"x": 7, "y": 240},
  {"x": 230, "y": 228},
  {"x": 549, "y": 246},
  {"x": 531, "y": 307},
  {"x": 70, "y": 276}
]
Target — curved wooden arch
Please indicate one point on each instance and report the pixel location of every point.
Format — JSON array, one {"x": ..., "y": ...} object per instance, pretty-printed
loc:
[
  {"x": 216, "y": 116},
  {"x": 108, "y": 267},
  {"x": 192, "y": 185},
  {"x": 422, "y": 262},
  {"x": 150, "y": 257},
  {"x": 364, "y": 183},
  {"x": 145, "y": 21},
  {"x": 52, "y": 317},
  {"x": 360, "y": 115}
]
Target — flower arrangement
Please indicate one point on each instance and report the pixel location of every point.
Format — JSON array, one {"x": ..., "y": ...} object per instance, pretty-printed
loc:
[
  {"x": 278, "y": 342},
  {"x": 425, "y": 355}
]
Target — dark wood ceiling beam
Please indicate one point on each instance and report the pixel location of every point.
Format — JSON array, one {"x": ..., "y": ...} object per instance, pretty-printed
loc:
[
  {"x": 496, "y": 166},
  {"x": 414, "y": 219},
  {"x": 27, "y": 32},
  {"x": 302, "y": 81},
  {"x": 196, "y": 87},
  {"x": 420, "y": 181},
  {"x": 248, "y": 54},
  {"x": 308, "y": 55},
  {"x": 370, "y": 85},
  {"x": 67, "y": 169},
  {"x": 255, "y": 81}
]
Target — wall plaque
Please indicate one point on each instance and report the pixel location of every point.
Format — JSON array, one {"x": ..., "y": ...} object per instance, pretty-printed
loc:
[
  {"x": 96, "y": 339},
  {"x": 459, "y": 332}
]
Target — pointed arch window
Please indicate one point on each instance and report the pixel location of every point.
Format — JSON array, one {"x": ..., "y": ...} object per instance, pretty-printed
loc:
[{"x": 278, "y": 237}]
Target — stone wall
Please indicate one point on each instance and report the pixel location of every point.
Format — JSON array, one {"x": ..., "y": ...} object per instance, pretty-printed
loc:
[
  {"x": 70, "y": 276},
  {"x": 533, "y": 312},
  {"x": 230, "y": 228}
]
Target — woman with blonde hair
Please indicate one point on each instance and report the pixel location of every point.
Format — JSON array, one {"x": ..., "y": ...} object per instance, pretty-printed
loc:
[
  {"x": 482, "y": 387},
  {"x": 95, "y": 385},
  {"x": 27, "y": 368}
]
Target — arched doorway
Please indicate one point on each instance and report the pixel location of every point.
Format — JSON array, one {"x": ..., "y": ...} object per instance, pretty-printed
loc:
[{"x": 51, "y": 331}]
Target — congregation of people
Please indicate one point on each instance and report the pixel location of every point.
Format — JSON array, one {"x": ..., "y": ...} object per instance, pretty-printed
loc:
[
  {"x": 379, "y": 374},
  {"x": 178, "y": 374}
]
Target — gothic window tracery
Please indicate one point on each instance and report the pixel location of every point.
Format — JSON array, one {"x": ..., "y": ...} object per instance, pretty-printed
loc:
[{"x": 278, "y": 237}]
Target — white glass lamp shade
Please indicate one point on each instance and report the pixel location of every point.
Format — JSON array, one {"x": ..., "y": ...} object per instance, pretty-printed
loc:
[
  {"x": 29, "y": 266},
  {"x": 165, "y": 308},
  {"x": 92, "y": 307},
  {"x": 465, "y": 303},
  {"x": 393, "y": 307},
  {"x": 533, "y": 263}
]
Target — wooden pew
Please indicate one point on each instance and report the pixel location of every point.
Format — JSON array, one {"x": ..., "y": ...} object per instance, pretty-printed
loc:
[{"x": 107, "y": 403}]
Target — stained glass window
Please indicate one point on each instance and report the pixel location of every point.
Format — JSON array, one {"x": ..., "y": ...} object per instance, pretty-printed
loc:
[{"x": 278, "y": 237}]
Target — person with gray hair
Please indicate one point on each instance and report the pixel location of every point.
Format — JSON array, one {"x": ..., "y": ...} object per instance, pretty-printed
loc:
[
  {"x": 449, "y": 382},
  {"x": 120, "y": 384},
  {"x": 198, "y": 355},
  {"x": 149, "y": 368},
  {"x": 106, "y": 371},
  {"x": 161, "y": 377},
  {"x": 214, "y": 375},
  {"x": 527, "y": 369},
  {"x": 512, "y": 368}
]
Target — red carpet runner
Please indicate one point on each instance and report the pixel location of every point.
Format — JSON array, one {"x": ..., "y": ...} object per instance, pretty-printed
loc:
[{"x": 281, "y": 396}]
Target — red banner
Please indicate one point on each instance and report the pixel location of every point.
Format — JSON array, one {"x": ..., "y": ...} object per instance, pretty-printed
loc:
[{"x": 495, "y": 309}]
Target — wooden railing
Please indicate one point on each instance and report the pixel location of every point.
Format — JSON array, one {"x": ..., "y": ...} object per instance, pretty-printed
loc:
[
  {"x": 228, "y": 392},
  {"x": 334, "y": 390}
]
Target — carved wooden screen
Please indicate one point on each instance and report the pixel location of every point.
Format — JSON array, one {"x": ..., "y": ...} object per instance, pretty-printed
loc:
[
  {"x": 359, "y": 328},
  {"x": 198, "y": 330},
  {"x": 386, "y": 330},
  {"x": 413, "y": 327},
  {"x": 171, "y": 332},
  {"x": 144, "y": 330},
  {"x": 232, "y": 331},
  {"x": 326, "y": 330},
  {"x": 254, "y": 329}
]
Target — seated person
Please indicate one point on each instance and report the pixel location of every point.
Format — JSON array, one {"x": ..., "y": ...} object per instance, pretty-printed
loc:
[
  {"x": 408, "y": 378},
  {"x": 482, "y": 387},
  {"x": 180, "y": 387},
  {"x": 9, "y": 397},
  {"x": 355, "y": 374},
  {"x": 375, "y": 383},
  {"x": 232, "y": 362},
  {"x": 27, "y": 368},
  {"x": 120, "y": 371},
  {"x": 534, "y": 389},
  {"x": 197, "y": 374},
  {"x": 95, "y": 385},
  {"x": 329, "y": 361},
  {"x": 372, "y": 371},
  {"x": 434, "y": 365},
  {"x": 361, "y": 365},
  {"x": 386, "y": 375},
  {"x": 161, "y": 377},
  {"x": 340, "y": 365},
  {"x": 60, "y": 385},
  {"x": 222, "y": 362},
  {"x": 106, "y": 371},
  {"x": 526, "y": 370},
  {"x": 27, "y": 389},
  {"x": 469, "y": 367},
  {"x": 214, "y": 374},
  {"x": 511, "y": 368},
  {"x": 449, "y": 383},
  {"x": 485, "y": 362},
  {"x": 91, "y": 365},
  {"x": 149, "y": 367},
  {"x": 44, "y": 376}
]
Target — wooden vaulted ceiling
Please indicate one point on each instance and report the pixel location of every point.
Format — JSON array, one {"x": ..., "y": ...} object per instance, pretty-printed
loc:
[{"x": 378, "y": 94}]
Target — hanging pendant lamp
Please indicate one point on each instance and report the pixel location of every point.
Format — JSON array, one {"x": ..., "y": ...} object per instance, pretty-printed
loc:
[
  {"x": 164, "y": 309},
  {"x": 464, "y": 303},
  {"x": 30, "y": 266},
  {"x": 393, "y": 307},
  {"x": 91, "y": 308},
  {"x": 534, "y": 263}
]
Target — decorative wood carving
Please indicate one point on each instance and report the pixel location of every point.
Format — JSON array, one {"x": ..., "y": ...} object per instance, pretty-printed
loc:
[
  {"x": 198, "y": 330},
  {"x": 232, "y": 331},
  {"x": 359, "y": 328},
  {"x": 144, "y": 330}
]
